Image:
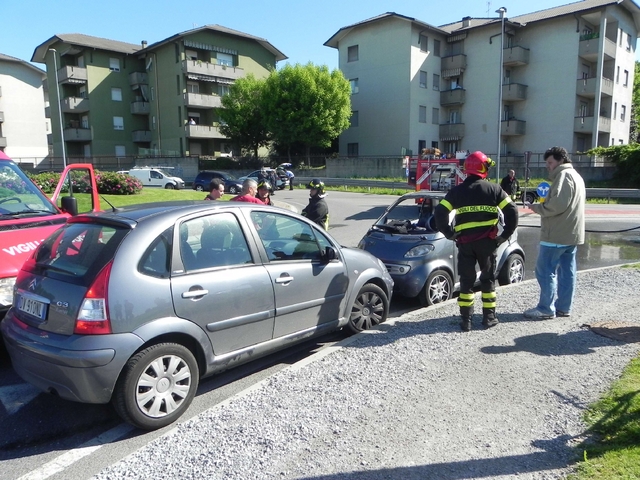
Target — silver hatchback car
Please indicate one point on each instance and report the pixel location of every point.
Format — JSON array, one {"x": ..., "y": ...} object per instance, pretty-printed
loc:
[{"x": 133, "y": 306}]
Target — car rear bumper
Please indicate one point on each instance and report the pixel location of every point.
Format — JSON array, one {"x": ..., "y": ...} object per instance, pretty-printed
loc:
[{"x": 78, "y": 368}]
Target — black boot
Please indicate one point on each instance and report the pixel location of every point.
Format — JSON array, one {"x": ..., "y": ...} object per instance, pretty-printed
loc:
[
  {"x": 488, "y": 322},
  {"x": 465, "y": 325}
]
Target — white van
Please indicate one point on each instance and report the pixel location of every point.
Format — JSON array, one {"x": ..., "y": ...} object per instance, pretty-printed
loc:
[{"x": 156, "y": 177}]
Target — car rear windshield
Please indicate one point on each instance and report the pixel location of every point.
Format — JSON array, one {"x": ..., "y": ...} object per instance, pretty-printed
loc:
[{"x": 79, "y": 251}]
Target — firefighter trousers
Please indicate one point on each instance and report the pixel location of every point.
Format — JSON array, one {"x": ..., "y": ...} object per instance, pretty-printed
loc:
[{"x": 483, "y": 253}]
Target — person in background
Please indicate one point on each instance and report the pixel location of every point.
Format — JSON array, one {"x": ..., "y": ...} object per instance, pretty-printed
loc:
[
  {"x": 477, "y": 204},
  {"x": 510, "y": 184},
  {"x": 273, "y": 179},
  {"x": 192, "y": 121},
  {"x": 216, "y": 189},
  {"x": 248, "y": 194},
  {"x": 264, "y": 189},
  {"x": 290, "y": 176},
  {"x": 317, "y": 210},
  {"x": 561, "y": 231}
]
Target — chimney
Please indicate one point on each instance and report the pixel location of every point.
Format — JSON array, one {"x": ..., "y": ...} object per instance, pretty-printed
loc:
[
  {"x": 144, "y": 44},
  {"x": 466, "y": 21}
]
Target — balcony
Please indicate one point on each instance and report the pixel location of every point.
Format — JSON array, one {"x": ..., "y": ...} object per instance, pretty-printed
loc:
[
  {"x": 590, "y": 47},
  {"x": 3, "y": 142},
  {"x": 72, "y": 75},
  {"x": 515, "y": 56},
  {"x": 514, "y": 92},
  {"x": 203, "y": 131},
  {"x": 453, "y": 65},
  {"x": 141, "y": 136},
  {"x": 140, "y": 108},
  {"x": 138, "y": 78},
  {"x": 584, "y": 124},
  {"x": 450, "y": 132},
  {"x": 452, "y": 97},
  {"x": 77, "y": 134},
  {"x": 513, "y": 127},
  {"x": 75, "y": 105},
  {"x": 587, "y": 87},
  {"x": 200, "y": 100},
  {"x": 204, "y": 71}
]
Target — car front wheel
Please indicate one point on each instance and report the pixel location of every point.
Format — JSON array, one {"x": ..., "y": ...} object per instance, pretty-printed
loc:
[
  {"x": 512, "y": 271},
  {"x": 437, "y": 289},
  {"x": 233, "y": 190},
  {"x": 370, "y": 308},
  {"x": 170, "y": 186},
  {"x": 156, "y": 386},
  {"x": 199, "y": 188}
]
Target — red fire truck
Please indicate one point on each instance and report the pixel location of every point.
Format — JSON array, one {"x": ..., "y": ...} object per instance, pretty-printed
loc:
[{"x": 431, "y": 172}]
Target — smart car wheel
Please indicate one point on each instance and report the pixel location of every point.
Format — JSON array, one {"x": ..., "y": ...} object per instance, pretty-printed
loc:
[
  {"x": 512, "y": 271},
  {"x": 370, "y": 308},
  {"x": 438, "y": 288},
  {"x": 156, "y": 386},
  {"x": 199, "y": 188}
]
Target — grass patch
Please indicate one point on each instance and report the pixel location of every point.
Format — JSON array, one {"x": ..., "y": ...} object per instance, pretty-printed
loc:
[{"x": 613, "y": 449}]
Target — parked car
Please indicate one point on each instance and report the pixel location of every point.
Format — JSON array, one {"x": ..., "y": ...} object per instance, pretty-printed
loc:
[
  {"x": 231, "y": 184},
  {"x": 421, "y": 261},
  {"x": 156, "y": 177},
  {"x": 133, "y": 306},
  {"x": 282, "y": 179}
]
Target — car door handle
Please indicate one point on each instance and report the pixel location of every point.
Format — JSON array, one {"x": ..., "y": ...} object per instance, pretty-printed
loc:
[
  {"x": 284, "y": 279},
  {"x": 194, "y": 293}
]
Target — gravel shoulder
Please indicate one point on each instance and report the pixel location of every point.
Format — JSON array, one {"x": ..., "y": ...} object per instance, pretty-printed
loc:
[{"x": 418, "y": 399}]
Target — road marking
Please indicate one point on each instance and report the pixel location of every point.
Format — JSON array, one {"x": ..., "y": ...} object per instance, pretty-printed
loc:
[
  {"x": 14, "y": 397},
  {"x": 60, "y": 463}
]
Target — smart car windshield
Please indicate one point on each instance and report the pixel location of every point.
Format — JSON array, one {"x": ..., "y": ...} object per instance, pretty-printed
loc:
[{"x": 409, "y": 214}]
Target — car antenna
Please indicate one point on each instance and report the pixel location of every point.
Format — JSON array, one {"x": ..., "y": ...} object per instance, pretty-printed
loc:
[{"x": 113, "y": 209}]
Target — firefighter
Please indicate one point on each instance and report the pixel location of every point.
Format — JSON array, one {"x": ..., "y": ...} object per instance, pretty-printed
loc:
[{"x": 477, "y": 203}]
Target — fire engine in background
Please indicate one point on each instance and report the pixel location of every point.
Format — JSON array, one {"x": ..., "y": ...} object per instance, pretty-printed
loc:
[
  {"x": 434, "y": 171},
  {"x": 28, "y": 216}
]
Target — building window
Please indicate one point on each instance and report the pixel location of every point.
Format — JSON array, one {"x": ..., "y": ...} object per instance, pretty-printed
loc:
[
  {"x": 191, "y": 55},
  {"x": 352, "y": 149},
  {"x": 617, "y": 74},
  {"x": 628, "y": 42},
  {"x": 621, "y": 141},
  {"x": 422, "y": 114},
  {"x": 225, "y": 59},
  {"x": 354, "y": 85},
  {"x": 352, "y": 53},
  {"x": 615, "y": 110},
  {"x": 116, "y": 94},
  {"x": 424, "y": 43},
  {"x": 423, "y": 79},
  {"x": 223, "y": 90},
  {"x": 193, "y": 87},
  {"x": 436, "y": 48},
  {"x": 82, "y": 91},
  {"x": 120, "y": 151},
  {"x": 118, "y": 123},
  {"x": 114, "y": 64},
  {"x": 620, "y": 33},
  {"x": 623, "y": 112},
  {"x": 435, "y": 116},
  {"x": 355, "y": 118},
  {"x": 626, "y": 78},
  {"x": 436, "y": 82},
  {"x": 422, "y": 144}
]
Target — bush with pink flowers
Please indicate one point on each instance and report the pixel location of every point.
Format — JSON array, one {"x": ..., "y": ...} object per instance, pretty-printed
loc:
[{"x": 110, "y": 183}]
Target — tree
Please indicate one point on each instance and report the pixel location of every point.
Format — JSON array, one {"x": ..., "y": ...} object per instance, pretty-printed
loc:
[
  {"x": 242, "y": 116},
  {"x": 634, "y": 134},
  {"x": 306, "y": 104}
]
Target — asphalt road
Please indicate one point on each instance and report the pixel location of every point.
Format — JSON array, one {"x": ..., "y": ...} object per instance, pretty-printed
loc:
[{"x": 43, "y": 435}]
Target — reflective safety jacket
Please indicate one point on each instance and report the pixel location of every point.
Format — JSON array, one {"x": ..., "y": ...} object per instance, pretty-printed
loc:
[{"x": 477, "y": 203}]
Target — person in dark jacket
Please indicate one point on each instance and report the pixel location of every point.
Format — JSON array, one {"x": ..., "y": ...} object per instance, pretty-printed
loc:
[
  {"x": 317, "y": 210},
  {"x": 216, "y": 189},
  {"x": 477, "y": 204},
  {"x": 264, "y": 191},
  {"x": 510, "y": 184}
]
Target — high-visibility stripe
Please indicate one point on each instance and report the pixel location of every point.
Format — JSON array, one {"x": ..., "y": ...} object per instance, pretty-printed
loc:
[
  {"x": 467, "y": 296},
  {"x": 488, "y": 295},
  {"x": 504, "y": 203},
  {"x": 465, "y": 226},
  {"x": 488, "y": 304},
  {"x": 465, "y": 303},
  {"x": 446, "y": 204},
  {"x": 478, "y": 208}
]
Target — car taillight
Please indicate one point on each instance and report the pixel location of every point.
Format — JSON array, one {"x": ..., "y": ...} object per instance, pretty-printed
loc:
[{"x": 93, "y": 317}]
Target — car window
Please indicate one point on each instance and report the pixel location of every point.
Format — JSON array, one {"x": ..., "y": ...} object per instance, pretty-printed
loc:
[
  {"x": 213, "y": 241},
  {"x": 156, "y": 259},
  {"x": 287, "y": 238}
]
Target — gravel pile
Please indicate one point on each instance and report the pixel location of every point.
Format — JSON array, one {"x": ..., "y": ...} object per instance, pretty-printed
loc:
[{"x": 418, "y": 399}]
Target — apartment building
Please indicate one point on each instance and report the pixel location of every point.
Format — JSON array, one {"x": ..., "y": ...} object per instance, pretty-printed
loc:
[
  {"x": 23, "y": 126},
  {"x": 120, "y": 99},
  {"x": 564, "y": 76}
]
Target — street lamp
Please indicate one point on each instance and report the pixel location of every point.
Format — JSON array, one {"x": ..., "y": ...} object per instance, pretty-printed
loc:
[
  {"x": 501, "y": 11},
  {"x": 55, "y": 69}
]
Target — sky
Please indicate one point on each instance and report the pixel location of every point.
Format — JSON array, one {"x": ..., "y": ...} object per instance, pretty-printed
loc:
[{"x": 298, "y": 28}]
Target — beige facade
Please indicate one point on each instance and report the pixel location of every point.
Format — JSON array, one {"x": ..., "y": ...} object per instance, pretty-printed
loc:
[{"x": 566, "y": 79}]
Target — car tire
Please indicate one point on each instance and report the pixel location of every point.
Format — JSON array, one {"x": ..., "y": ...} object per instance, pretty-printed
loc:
[
  {"x": 370, "y": 308},
  {"x": 166, "y": 371},
  {"x": 437, "y": 289},
  {"x": 530, "y": 197},
  {"x": 199, "y": 188},
  {"x": 512, "y": 271},
  {"x": 233, "y": 190},
  {"x": 170, "y": 186}
]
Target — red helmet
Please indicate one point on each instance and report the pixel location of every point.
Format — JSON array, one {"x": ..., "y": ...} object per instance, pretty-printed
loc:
[{"x": 478, "y": 164}]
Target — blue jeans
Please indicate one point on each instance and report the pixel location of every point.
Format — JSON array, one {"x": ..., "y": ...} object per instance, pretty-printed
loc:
[{"x": 556, "y": 274}]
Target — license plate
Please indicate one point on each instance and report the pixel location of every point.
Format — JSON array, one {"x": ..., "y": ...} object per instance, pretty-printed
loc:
[{"x": 33, "y": 307}]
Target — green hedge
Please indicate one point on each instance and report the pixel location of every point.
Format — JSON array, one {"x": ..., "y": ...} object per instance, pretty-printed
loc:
[{"x": 108, "y": 183}]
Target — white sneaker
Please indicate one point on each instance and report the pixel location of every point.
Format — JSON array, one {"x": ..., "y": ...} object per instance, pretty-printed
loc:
[{"x": 535, "y": 314}]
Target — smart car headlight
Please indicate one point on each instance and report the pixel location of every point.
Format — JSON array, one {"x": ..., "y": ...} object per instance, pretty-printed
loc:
[{"x": 420, "y": 251}]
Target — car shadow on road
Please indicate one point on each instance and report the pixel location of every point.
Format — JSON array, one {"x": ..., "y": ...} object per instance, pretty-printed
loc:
[{"x": 371, "y": 214}]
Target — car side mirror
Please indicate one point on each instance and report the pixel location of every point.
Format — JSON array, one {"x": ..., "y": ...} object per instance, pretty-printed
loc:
[
  {"x": 70, "y": 205},
  {"x": 329, "y": 254}
]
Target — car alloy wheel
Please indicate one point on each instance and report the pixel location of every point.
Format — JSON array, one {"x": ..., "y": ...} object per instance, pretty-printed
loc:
[
  {"x": 199, "y": 188},
  {"x": 370, "y": 308},
  {"x": 156, "y": 386},
  {"x": 512, "y": 271},
  {"x": 233, "y": 190},
  {"x": 437, "y": 289}
]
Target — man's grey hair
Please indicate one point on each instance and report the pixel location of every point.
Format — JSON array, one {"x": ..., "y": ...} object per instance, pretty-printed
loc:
[{"x": 247, "y": 184}]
